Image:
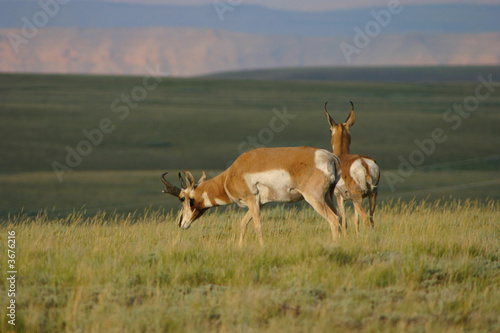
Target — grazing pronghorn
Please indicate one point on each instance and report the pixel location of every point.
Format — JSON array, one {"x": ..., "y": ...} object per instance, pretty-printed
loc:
[
  {"x": 360, "y": 174},
  {"x": 261, "y": 176}
]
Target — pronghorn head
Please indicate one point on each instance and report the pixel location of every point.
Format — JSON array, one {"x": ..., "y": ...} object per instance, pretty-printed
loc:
[
  {"x": 341, "y": 137},
  {"x": 192, "y": 201}
]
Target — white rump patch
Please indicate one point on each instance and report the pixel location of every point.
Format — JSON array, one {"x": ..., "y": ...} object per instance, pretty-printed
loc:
[
  {"x": 358, "y": 173},
  {"x": 374, "y": 171},
  {"x": 325, "y": 161}
]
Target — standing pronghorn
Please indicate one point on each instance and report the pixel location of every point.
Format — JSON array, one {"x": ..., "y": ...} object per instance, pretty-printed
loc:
[
  {"x": 261, "y": 176},
  {"x": 360, "y": 174}
]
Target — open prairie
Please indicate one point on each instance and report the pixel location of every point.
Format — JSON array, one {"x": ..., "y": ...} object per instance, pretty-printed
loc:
[
  {"x": 425, "y": 267},
  {"x": 206, "y": 123},
  {"x": 97, "y": 247}
]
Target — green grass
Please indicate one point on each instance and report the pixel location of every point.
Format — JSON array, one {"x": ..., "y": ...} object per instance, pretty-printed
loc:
[
  {"x": 200, "y": 123},
  {"x": 367, "y": 73},
  {"x": 128, "y": 191},
  {"x": 100, "y": 251},
  {"x": 424, "y": 268}
]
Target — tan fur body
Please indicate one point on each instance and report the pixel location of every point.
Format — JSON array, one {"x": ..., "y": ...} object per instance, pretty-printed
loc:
[
  {"x": 349, "y": 186},
  {"x": 360, "y": 173},
  {"x": 267, "y": 175}
]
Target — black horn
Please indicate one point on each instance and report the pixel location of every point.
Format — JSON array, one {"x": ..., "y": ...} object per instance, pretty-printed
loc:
[
  {"x": 328, "y": 117},
  {"x": 352, "y": 117},
  {"x": 169, "y": 188}
]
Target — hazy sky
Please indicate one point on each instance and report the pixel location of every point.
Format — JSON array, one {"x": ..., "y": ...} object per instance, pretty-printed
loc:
[{"x": 312, "y": 4}]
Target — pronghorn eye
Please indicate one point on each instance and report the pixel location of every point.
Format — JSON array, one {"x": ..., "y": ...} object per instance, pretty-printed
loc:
[{"x": 182, "y": 199}]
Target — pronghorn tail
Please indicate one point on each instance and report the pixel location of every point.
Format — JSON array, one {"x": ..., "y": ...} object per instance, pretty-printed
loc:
[{"x": 371, "y": 179}]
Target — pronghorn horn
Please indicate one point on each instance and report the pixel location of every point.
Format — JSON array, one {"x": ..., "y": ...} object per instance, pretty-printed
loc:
[
  {"x": 352, "y": 117},
  {"x": 169, "y": 188},
  {"x": 329, "y": 118}
]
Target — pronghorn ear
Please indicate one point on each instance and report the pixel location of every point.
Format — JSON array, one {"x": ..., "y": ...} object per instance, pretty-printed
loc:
[
  {"x": 352, "y": 117},
  {"x": 183, "y": 183},
  {"x": 329, "y": 118},
  {"x": 189, "y": 179},
  {"x": 203, "y": 177}
]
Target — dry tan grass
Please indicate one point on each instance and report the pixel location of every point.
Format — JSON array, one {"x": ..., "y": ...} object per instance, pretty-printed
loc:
[{"x": 426, "y": 267}]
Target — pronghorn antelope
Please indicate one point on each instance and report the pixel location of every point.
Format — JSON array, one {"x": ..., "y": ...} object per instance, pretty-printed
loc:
[
  {"x": 261, "y": 176},
  {"x": 360, "y": 174}
]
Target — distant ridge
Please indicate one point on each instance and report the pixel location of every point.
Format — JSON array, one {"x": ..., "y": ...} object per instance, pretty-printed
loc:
[
  {"x": 195, "y": 51},
  {"x": 368, "y": 73},
  {"x": 91, "y": 37}
]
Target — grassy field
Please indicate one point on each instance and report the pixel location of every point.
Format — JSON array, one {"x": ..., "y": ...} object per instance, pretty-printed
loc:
[
  {"x": 98, "y": 250},
  {"x": 89, "y": 192},
  {"x": 205, "y": 123},
  {"x": 425, "y": 268},
  {"x": 423, "y": 74}
]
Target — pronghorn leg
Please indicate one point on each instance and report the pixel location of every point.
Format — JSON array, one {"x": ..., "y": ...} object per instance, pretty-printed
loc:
[
  {"x": 358, "y": 207},
  {"x": 356, "y": 220},
  {"x": 341, "y": 204},
  {"x": 329, "y": 201},
  {"x": 254, "y": 210},
  {"x": 323, "y": 208},
  {"x": 372, "y": 196},
  {"x": 243, "y": 226}
]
